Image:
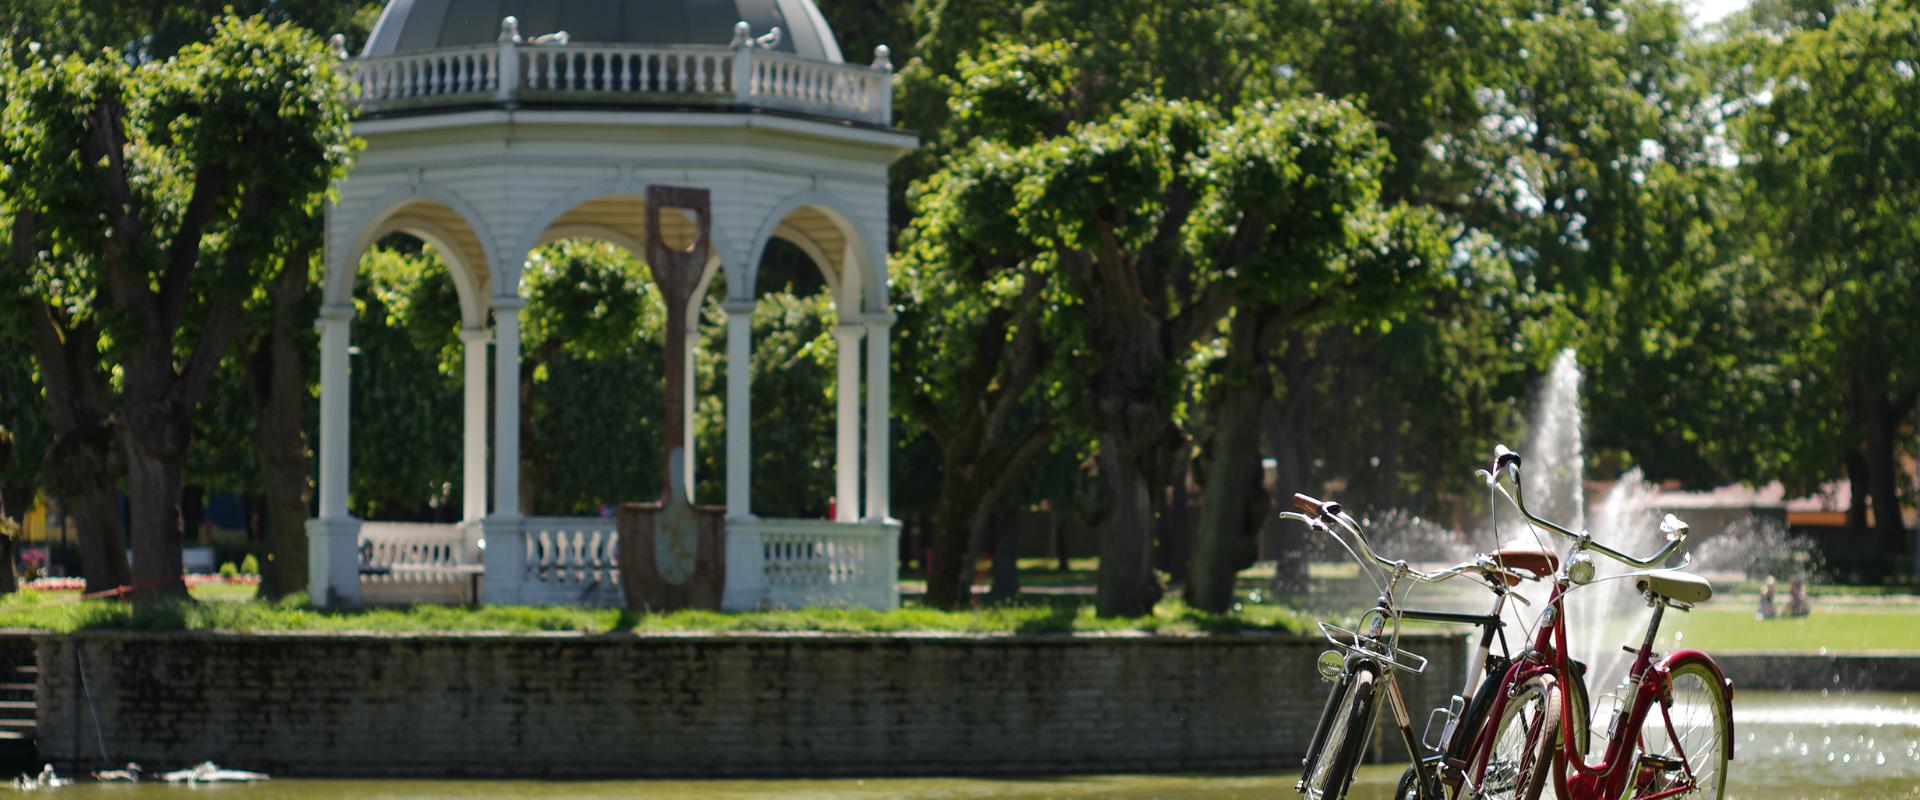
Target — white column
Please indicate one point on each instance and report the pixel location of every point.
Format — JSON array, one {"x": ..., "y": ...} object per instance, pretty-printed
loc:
[
  {"x": 473, "y": 476},
  {"x": 506, "y": 403},
  {"x": 506, "y": 559},
  {"x": 739, "y": 408},
  {"x": 334, "y": 344},
  {"x": 333, "y": 561},
  {"x": 846, "y": 391},
  {"x": 879, "y": 436}
]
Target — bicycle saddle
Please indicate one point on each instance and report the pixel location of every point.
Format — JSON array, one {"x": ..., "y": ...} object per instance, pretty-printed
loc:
[
  {"x": 1526, "y": 555},
  {"x": 1681, "y": 587}
]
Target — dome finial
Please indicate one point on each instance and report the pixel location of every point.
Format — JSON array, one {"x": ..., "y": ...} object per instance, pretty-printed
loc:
[
  {"x": 510, "y": 29},
  {"x": 742, "y": 35},
  {"x": 883, "y": 58},
  {"x": 337, "y": 45}
]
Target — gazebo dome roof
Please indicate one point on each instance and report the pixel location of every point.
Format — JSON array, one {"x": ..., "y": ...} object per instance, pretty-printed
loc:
[{"x": 408, "y": 26}]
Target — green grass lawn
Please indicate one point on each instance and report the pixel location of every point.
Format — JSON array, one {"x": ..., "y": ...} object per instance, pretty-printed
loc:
[
  {"x": 228, "y": 611},
  {"x": 1841, "y": 629}
]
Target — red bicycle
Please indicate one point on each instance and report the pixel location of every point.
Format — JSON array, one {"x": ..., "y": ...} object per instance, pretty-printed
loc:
[{"x": 1673, "y": 735}]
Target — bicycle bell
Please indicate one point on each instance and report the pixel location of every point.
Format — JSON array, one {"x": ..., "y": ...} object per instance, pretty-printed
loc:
[
  {"x": 1580, "y": 568},
  {"x": 1331, "y": 664}
]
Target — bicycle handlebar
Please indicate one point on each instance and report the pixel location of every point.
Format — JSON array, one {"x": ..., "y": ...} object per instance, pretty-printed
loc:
[
  {"x": 1332, "y": 510},
  {"x": 1508, "y": 460}
]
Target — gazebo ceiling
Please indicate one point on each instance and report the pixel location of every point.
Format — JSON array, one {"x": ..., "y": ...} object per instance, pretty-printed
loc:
[{"x": 407, "y": 26}]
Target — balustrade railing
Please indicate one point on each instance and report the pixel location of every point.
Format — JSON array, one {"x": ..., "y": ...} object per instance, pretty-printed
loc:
[
  {"x": 409, "y": 552},
  {"x": 792, "y": 563},
  {"x": 573, "y": 554},
  {"x": 512, "y": 71}
]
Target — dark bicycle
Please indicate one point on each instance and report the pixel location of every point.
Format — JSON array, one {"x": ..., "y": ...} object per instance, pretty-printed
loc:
[{"x": 1365, "y": 662}]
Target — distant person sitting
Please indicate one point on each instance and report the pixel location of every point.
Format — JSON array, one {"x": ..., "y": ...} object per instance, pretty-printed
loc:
[
  {"x": 1797, "y": 605},
  {"x": 1766, "y": 600}
]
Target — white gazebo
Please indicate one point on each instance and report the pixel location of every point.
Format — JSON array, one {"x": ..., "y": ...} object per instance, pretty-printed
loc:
[{"x": 489, "y": 135}]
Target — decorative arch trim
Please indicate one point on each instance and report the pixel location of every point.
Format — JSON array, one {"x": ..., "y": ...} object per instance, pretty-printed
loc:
[
  {"x": 536, "y": 231},
  {"x": 383, "y": 211},
  {"x": 869, "y": 263}
]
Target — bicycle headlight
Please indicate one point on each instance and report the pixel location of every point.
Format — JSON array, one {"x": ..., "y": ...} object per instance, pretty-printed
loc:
[
  {"x": 1580, "y": 568},
  {"x": 1331, "y": 664}
]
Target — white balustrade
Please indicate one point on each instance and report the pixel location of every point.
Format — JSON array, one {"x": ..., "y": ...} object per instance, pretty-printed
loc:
[
  {"x": 812, "y": 562},
  {"x": 429, "y": 78},
  {"x": 599, "y": 73},
  {"x": 414, "y": 552},
  {"x": 407, "y": 562},
  {"x": 571, "y": 560}
]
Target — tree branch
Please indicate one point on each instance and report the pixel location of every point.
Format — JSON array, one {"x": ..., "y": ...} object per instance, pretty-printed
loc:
[
  {"x": 183, "y": 254},
  {"x": 106, "y": 143}
]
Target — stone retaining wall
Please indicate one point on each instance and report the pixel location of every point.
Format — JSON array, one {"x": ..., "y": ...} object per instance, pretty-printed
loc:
[
  {"x": 1801, "y": 672},
  {"x": 619, "y": 705}
]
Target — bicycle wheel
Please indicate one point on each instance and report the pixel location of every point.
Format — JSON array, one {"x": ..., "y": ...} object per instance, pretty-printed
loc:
[
  {"x": 1693, "y": 754},
  {"x": 1523, "y": 743},
  {"x": 1346, "y": 738}
]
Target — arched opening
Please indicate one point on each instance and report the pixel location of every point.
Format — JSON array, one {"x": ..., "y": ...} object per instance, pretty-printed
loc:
[
  {"x": 794, "y": 358},
  {"x": 592, "y": 370},
  {"x": 407, "y": 384}
]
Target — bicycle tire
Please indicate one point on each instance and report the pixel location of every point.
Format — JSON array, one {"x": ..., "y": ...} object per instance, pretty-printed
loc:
[
  {"x": 1517, "y": 764},
  {"x": 1328, "y": 776},
  {"x": 1696, "y": 701}
]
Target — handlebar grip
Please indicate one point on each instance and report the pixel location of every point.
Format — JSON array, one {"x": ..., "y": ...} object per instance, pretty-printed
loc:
[
  {"x": 1315, "y": 507},
  {"x": 1502, "y": 457}
]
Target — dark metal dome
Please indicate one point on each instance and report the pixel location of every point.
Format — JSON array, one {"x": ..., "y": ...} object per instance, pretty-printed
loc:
[{"x": 413, "y": 25}]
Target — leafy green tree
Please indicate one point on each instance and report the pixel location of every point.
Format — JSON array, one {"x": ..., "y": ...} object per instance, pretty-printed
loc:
[
  {"x": 160, "y": 195},
  {"x": 591, "y": 377},
  {"x": 975, "y": 328},
  {"x": 406, "y": 387},
  {"x": 1835, "y": 161},
  {"x": 153, "y": 30},
  {"x": 22, "y": 411}
]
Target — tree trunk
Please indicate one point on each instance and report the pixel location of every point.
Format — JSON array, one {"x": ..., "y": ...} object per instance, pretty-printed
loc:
[
  {"x": 153, "y": 503},
  {"x": 1127, "y": 587},
  {"x": 157, "y": 431},
  {"x": 1233, "y": 476},
  {"x": 1006, "y": 556},
  {"x": 1174, "y": 537},
  {"x": 1287, "y": 436},
  {"x": 948, "y": 575},
  {"x": 1857, "y": 494},
  {"x": 279, "y": 391},
  {"x": 1883, "y": 471},
  {"x": 8, "y": 582},
  {"x": 82, "y": 467},
  {"x": 81, "y": 470}
]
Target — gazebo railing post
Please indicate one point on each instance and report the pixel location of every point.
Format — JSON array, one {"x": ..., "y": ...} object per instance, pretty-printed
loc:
[
  {"x": 880, "y": 103},
  {"x": 742, "y": 63},
  {"x": 509, "y": 70}
]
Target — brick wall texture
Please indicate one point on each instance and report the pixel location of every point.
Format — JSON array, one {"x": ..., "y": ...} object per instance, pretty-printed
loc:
[{"x": 572, "y": 705}]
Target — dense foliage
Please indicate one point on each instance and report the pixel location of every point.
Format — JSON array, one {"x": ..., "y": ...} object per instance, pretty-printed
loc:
[{"x": 1147, "y": 252}]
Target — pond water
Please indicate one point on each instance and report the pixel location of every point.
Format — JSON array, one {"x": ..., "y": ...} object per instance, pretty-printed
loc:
[{"x": 1859, "y": 746}]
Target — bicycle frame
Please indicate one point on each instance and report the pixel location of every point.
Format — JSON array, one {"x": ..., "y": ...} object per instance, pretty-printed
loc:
[
  {"x": 1574, "y": 776},
  {"x": 1368, "y": 652}
]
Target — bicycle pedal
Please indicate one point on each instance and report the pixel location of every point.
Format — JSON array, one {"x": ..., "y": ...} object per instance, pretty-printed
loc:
[{"x": 1661, "y": 763}]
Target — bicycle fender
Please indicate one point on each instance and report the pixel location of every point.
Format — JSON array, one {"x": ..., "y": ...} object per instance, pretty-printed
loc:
[{"x": 1678, "y": 657}]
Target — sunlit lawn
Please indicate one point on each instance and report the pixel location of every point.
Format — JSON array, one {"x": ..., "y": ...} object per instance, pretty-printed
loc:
[
  {"x": 1054, "y": 614},
  {"x": 1853, "y": 628}
]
